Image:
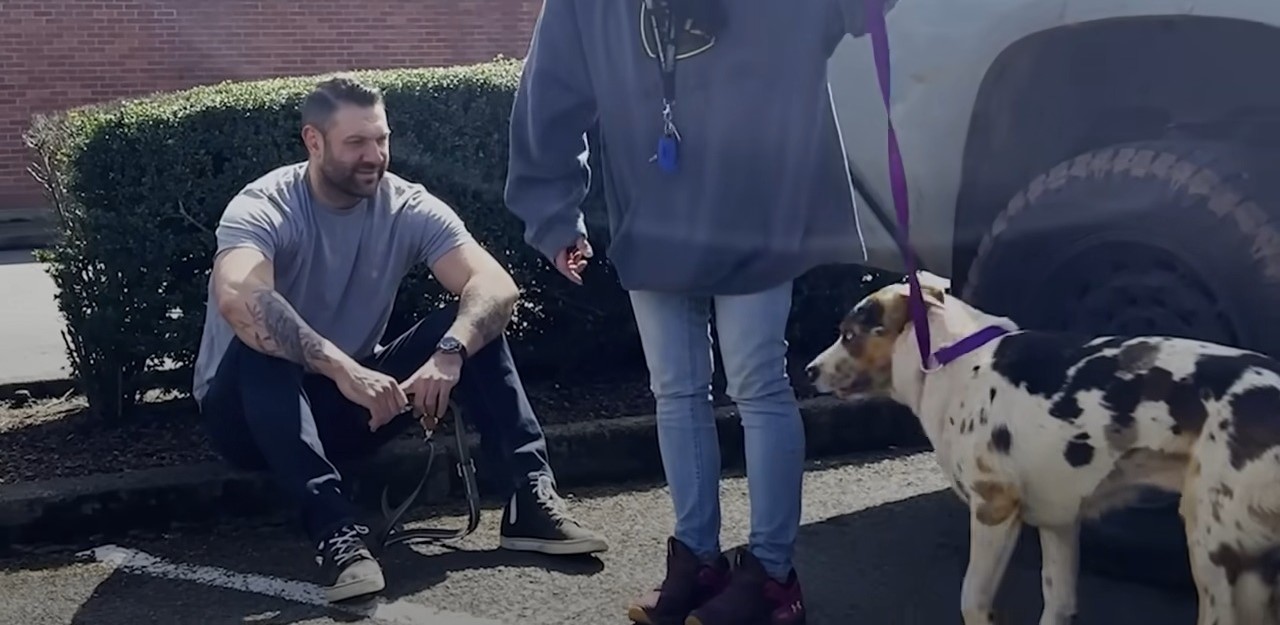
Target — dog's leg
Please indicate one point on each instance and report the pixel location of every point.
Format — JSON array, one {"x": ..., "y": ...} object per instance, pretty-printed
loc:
[
  {"x": 1215, "y": 596},
  {"x": 990, "y": 547},
  {"x": 1060, "y": 549},
  {"x": 1217, "y": 599},
  {"x": 1254, "y": 598}
]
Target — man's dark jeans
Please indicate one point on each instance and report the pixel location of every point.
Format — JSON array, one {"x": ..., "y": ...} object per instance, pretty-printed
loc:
[{"x": 266, "y": 413}]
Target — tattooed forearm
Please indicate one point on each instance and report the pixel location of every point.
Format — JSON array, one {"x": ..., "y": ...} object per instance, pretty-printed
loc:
[
  {"x": 484, "y": 311},
  {"x": 270, "y": 325}
]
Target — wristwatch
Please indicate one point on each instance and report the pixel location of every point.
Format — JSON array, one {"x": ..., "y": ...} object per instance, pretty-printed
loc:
[{"x": 450, "y": 345}]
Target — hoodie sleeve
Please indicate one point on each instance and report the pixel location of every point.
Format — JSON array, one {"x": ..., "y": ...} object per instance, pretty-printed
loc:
[{"x": 548, "y": 176}]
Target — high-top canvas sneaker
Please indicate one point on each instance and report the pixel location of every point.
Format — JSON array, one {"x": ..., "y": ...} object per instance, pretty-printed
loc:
[
  {"x": 537, "y": 519},
  {"x": 347, "y": 568}
]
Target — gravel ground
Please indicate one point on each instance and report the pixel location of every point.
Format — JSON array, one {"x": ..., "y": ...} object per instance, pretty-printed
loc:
[
  {"x": 58, "y": 438},
  {"x": 882, "y": 543}
]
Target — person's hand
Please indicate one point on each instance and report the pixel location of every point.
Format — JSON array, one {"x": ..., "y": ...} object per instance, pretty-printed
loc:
[
  {"x": 571, "y": 261},
  {"x": 429, "y": 387},
  {"x": 375, "y": 391}
]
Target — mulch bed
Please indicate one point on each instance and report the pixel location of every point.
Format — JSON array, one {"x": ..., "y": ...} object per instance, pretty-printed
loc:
[{"x": 59, "y": 438}]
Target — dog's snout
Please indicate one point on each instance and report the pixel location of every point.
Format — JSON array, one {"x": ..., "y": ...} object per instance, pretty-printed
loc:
[{"x": 812, "y": 373}]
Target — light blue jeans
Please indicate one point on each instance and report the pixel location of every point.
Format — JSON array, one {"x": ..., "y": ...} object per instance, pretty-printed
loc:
[{"x": 676, "y": 335}]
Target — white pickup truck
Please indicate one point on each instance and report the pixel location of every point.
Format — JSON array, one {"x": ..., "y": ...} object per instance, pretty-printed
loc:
[{"x": 1098, "y": 166}]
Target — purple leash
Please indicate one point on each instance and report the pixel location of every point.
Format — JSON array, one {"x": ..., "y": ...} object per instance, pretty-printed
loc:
[{"x": 878, "y": 29}]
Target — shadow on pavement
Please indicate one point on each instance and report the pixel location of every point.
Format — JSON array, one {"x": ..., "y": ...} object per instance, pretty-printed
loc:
[
  {"x": 276, "y": 551},
  {"x": 897, "y": 564},
  {"x": 410, "y": 572},
  {"x": 904, "y": 563}
]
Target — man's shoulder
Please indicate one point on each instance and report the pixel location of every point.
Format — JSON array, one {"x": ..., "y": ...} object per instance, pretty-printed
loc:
[
  {"x": 280, "y": 187},
  {"x": 412, "y": 197}
]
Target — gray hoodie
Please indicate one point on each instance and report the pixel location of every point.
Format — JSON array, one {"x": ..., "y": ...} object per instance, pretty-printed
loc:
[{"x": 762, "y": 191}]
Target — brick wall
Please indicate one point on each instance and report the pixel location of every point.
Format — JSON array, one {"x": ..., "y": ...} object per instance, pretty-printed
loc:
[{"x": 57, "y": 54}]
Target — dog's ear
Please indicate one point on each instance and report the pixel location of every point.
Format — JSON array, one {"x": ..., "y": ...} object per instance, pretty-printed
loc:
[{"x": 933, "y": 295}]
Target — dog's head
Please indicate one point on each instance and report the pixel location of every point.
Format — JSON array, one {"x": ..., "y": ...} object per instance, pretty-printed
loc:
[{"x": 860, "y": 362}]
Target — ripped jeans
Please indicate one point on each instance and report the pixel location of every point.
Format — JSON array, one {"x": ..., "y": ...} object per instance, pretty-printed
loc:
[{"x": 676, "y": 336}]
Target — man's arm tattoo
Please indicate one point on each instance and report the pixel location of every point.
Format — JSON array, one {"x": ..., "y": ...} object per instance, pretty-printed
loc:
[
  {"x": 483, "y": 312},
  {"x": 273, "y": 327}
]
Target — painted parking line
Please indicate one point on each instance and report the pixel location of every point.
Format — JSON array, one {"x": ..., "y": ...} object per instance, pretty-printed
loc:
[{"x": 389, "y": 612}]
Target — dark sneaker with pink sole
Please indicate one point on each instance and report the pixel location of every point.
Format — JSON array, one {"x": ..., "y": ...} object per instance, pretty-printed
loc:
[
  {"x": 689, "y": 583},
  {"x": 753, "y": 598}
]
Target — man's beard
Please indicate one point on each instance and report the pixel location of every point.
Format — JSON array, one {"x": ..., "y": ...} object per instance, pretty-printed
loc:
[{"x": 349, "y": 179}]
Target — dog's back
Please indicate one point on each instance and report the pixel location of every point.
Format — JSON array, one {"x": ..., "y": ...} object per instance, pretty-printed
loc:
[
  {"x": 1126, "y": 410},
  {"x": 1098, "y": 418}
]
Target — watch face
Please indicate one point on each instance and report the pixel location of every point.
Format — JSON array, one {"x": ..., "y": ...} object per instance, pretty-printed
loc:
[{"x": 450, "y": 344}]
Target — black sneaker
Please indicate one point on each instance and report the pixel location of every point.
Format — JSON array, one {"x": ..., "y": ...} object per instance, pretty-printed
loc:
[
  {"x": 347, "y": 567},
  {"x": 536, "y": 519}
]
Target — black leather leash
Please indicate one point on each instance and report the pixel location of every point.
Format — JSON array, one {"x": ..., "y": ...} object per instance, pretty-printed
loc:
[{"x": 393, "y": 534}]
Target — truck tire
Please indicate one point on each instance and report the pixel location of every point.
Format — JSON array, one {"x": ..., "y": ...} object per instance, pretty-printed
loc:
[{"x": 1162, "y": 237}]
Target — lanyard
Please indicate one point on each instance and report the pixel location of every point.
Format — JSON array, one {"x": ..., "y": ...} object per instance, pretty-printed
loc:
[{"x": 663, "y": 20}]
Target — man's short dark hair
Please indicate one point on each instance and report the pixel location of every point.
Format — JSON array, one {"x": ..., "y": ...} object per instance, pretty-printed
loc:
[{"x": 327, "y": 96}]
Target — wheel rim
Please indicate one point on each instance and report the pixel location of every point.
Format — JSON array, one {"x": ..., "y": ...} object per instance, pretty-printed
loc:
[
  {"x": 1128, "y": 287},
  {"x": 1125, "y": 287}
]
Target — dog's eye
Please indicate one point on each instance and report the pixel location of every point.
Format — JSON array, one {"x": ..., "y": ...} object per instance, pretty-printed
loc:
[{"x": 877, "y": 331}]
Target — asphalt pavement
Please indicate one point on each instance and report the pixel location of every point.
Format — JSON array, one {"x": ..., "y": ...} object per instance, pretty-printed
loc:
[
  {"x": 30, "y": 324},
  {"x": 882, "y": 543}
]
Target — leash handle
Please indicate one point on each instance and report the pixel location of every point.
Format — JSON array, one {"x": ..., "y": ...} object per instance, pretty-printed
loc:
[
  {"x": 879, "y": 31},
  {"x": 392, "y": 534}
]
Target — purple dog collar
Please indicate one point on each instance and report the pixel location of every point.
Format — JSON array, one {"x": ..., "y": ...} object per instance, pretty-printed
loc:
[{"x": 947, "y": 355}]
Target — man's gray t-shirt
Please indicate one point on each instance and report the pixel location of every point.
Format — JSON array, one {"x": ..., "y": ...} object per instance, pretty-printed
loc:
[{"x": 340, "y": 269}]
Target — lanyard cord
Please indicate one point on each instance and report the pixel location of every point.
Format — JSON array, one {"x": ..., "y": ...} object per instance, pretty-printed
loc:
[
  {"x": 664, "y": 21},
  {"x": 662, "y": 18}
]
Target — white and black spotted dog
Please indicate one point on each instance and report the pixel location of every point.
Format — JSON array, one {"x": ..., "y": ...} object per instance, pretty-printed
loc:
[{"x": 1047, "y": 430}]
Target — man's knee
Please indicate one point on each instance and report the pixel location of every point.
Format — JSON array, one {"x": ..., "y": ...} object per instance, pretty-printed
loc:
[
  {"x": 495, "y": 352},
  {"x": 254, "y": 368}
]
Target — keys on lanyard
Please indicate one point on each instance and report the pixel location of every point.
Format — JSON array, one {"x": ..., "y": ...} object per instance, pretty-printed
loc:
[
  {"x": 668, "y": 155},
  {"x": 665, "y": 30}
]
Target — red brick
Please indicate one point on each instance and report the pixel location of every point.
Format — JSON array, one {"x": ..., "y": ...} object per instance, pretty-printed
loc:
[{"x": 63, "y": 53}]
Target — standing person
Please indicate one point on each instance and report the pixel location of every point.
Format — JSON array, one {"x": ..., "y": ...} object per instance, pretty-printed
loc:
[
  {"x": 292, "y": 377},
  {"x": 726, "y": 179}
]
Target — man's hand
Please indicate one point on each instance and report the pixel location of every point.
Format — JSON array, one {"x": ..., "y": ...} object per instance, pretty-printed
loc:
[
  {"x": 431, "y": 385},
  {"x": 375, "y": 391},
  {"x": 571, "y": 261}
]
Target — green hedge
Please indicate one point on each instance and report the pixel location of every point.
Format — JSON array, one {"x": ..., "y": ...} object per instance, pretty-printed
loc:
[{"x": 138, "y": 187}]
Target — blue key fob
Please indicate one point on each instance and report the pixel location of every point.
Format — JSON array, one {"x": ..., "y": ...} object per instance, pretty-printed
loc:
[{"x": 668, "y": 153}]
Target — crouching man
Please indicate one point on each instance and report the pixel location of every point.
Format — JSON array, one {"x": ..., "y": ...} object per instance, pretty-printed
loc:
[{"x": 291, "y": 377}]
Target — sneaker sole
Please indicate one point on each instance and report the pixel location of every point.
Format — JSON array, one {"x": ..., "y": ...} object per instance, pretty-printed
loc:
[
  {"x": 693, "y": 620},
  {"x": 357, "y": 588},
  {"x": 554, "y": 547},
  {"x": 638, "y": 616}
]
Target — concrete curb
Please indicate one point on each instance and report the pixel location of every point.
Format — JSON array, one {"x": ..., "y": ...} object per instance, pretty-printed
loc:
[
  {"x": 72, "y": 511},
  {"x": 26, "y": 228},
  {"x": 38, "y": 389}
]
